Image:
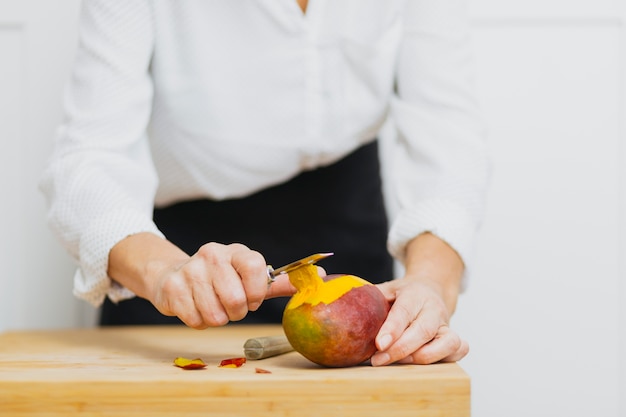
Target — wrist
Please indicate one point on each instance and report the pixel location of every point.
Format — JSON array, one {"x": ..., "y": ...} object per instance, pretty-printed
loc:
[
  {"x": 136, "y": 261},
  {"x": 432, "y": 262}
]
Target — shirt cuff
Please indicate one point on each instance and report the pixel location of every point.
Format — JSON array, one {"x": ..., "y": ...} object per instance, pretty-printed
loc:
[
  {"x": 443, "y": 218},
  {"x": 91, "y": 282}
]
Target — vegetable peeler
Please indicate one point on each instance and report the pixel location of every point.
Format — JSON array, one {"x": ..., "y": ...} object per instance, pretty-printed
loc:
[{"x": 309, "y": 260}]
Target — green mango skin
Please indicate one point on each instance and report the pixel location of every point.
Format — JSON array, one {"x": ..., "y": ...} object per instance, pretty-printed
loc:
[{"x": 339, "y": 334}]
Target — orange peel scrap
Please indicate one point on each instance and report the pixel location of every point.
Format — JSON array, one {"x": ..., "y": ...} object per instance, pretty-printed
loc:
[{"x": 232, "y": 363}]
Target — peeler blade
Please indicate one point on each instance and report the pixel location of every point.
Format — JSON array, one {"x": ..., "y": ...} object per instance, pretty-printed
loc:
[{"x": 309, "y": 260}]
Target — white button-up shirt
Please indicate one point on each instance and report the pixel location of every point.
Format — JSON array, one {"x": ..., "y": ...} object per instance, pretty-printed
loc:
[{"x": 172, "y": 100}]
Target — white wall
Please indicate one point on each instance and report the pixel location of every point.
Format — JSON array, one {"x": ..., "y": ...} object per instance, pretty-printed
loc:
[
  {"x": 37, "y": 39},
  {"x": 542, "y": 312}
]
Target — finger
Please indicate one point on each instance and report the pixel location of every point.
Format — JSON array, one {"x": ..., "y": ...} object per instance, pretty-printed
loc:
[
  {"x": 389, "y": 289},
  {"x": 252, "y": 270},
  {"x": 446, "y": 346},
  {"x": 210, "y": 307},
  {"x": 173, "y": 298},
  {"x": 402, "y": 313},
  {"x": 219, "y": 277},
  {"x": 419, "y": 332},
  {"x": 281, "y": 287},
  {"x": 230, "y": 292},
  {"x": 185, "y": 309},
  {"x": 204, "y": 300},
  {"x": 193, "y": 318},
  {"x": 459, "y": 354}
]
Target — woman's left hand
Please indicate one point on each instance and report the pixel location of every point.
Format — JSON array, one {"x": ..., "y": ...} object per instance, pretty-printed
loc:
[{"x": 417, "y": 327}]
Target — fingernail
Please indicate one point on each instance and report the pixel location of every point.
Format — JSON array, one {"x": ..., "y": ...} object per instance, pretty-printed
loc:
[
  {"x": 384, "y": 341},
  {"x": 380, "y": 359}
]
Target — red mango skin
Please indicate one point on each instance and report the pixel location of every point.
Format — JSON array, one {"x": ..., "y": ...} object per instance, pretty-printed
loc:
[{"x": 339, "y": 334}]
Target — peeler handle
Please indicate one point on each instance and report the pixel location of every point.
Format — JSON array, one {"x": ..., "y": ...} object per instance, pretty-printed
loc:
[{"x": 266, "y": 347}]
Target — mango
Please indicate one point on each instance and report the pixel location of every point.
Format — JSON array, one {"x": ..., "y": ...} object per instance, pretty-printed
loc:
[{"x": 333, "y": 321}]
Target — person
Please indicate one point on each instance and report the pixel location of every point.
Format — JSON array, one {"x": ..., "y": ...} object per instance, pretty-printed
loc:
[{"x": 204, "y": 140}]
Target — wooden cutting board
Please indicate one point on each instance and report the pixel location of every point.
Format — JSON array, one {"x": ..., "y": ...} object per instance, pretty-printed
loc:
[{"x": 130, "y": 371}]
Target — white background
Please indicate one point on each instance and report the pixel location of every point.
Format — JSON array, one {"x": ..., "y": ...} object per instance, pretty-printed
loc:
[{"x": 543, "y": 310}]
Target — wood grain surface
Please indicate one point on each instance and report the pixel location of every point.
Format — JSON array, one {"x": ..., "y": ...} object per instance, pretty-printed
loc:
[{"x": 130, "y": 371}]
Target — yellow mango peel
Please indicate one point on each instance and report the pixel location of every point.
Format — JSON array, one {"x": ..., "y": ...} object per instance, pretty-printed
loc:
[{"x": 312, "y": 289}]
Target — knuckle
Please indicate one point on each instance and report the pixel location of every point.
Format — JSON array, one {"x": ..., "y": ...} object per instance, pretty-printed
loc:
[
  {"x": 195, "y": 323},
  {"x": 455, "y": 342},
  {"x": 463, "y": 350},
  {"x": 172, "y": 288},
  {"x": 422, "y": 359},
  {"x": 249, "y": 265},
  {"x": 249, "y": 262},
  {"x": 233, "y": 306},
  {"x": 256, "y": 260},
  {"x": 458, "y": 350},
  {"x": 235, "y": 300},
  {"x": 426, "y": 356},
  {"x": 402, "y": 313},
  {"x": 428, "y": 333},
  {"x": 213, "y": 316},
  {"x": 215, "y": 320},
  {"x": 236, "y": 247},
  {"x": 447, "y": 348},
  {"x": 192, "y": 320},
  {"x": 238, "y": 315},
  {"x": 210, "y": 251},
  {"x": 402, "y": 351}
]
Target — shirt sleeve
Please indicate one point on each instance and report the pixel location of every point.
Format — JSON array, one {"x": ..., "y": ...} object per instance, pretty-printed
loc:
[
  {"x": 441, "y": 166},
  {"x": 100, "y": 181}
]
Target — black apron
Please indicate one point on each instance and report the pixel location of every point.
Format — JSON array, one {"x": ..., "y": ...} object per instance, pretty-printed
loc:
[{"x": 338, "y": 208}]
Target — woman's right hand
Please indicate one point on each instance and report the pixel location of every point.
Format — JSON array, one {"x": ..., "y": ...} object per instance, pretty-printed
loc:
[{"x": 217, "y": 284}]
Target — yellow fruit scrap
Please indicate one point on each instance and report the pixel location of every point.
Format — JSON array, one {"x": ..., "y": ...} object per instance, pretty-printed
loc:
[{"x": 189, "y": 363}]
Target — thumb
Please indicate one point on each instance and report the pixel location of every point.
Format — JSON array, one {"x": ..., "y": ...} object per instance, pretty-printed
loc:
[
  {"x": 281, "y": 287},
  {"x": 389, "y": 290}
]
